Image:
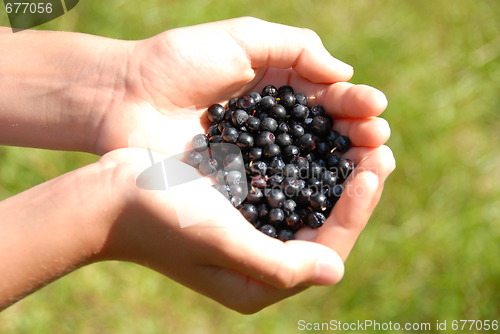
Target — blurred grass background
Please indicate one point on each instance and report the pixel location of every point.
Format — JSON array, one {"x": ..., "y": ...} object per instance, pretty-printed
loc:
[{"x": 431, "y": 250}]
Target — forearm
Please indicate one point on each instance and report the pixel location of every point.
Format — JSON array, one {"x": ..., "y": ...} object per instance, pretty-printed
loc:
[
  {"x": 53, "y": 229},
  {"x": 55, "y": 87}
]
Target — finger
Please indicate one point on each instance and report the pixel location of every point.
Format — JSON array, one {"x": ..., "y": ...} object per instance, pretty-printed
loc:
[
  {"x": 367, "y": 132},
  {"x": 361, "y": 195},
  {"x": 345, "y": 100},
  {"x": 340, "y": 100},
  {"x": 282, "y": 265},
  {"x": 273, "y": 45}
]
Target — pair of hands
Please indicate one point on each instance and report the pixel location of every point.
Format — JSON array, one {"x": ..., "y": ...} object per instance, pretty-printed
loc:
[{"x": 144, "y": 104}]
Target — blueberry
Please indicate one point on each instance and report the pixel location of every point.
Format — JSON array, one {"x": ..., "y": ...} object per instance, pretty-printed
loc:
[
  {"x": 230, "y": 134},
  {"x": 271, "y": 150},
  {"x": 255, "y": 153},
  {"x": 194, "y": 158},
  {"x": 270, "y": 90},
  {"x": 285, "y": 235},
  {"x": 267, "y": 103},
  {"x": 276, "y": 216},
  {"x": 249, "y": 211},
  {"x": 268, "y": 124},
  {"x": 342, "y": 144},
  {"x": 301, "y": 98},
  {"x": 284, "y": 139},
  {"x": 285, "y": 89},
  {"x": 276, "y": 198},
  {"x": 200, "y": 143},
  {"x": 315, "y": 219},
  {"x": 306, "y": 143},
  {"x": 300, "y": 112},
  {"x": 244, "y": 140},
  {"x": 216, "y": 113},
  {"x": 253, "y": 124},
  {"x": 320, "y": 125},
  {"x": 278, "y": 112},
  {"x": 239, "y": 117},
  {"x": 264, "y": 138},
  {"x": 287, "y": 100},
  {"x": 317, "y": 111},
  {"x": 297, "y": 131},
  {"x": 269, "y": 230},
  {"x": 208, "y": 166},
  {"x": 246, "y": 103}
]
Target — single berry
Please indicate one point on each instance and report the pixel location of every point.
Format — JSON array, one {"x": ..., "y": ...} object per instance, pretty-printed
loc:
[
  {"x": 301, "y": 98},
  {"x": 285, "y": 235},
  {"x": 246, "y": 103},
  {"x": 264, "y": 138},
  {"x": 287, "y": 100},
  {"x": 230, "y": 134},
  {"x": 315, "y": 219},
  {"x": 267, "y": 103},
  {"x": 276, "y": 198},
  {"x": 300, "y": 112},
  {"x": 194, "y": 158},
  {"x": 317, "y": 111},
  {"x": 342, "y": 144},
  {"x": 270, "y": 90},
  {"x": 276, "y": 216},
  {"x": 249, "y": 211},
  {"x": 269, "y": 230},
  {"x": 285, "y": 89},
  {"x": 239, "y": 117},
  {"x": 215, "y": 113},
  {"x": 200, "y": 143},
  {"x": 278, "y": 112},
  {"x": 306, "y": 143},
  {"x": 244, "y": 140},
  {"x": 268, "y": 124},
  {"x": 208, "y": 166}
]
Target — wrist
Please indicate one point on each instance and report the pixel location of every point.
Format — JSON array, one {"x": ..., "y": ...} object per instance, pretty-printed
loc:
[{"x": 56, "y": 96}]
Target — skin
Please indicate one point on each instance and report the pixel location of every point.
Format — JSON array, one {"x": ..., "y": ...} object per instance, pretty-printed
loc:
[{"x": 115, "y": 98}]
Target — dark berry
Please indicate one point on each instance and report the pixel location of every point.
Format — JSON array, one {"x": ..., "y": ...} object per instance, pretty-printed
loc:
[
  {"x": 290, "y": 151},
  {"x": 276, "y": 198},
  {"x": 342, "y": 144},
  {"x": 253, "y": 123},
  {"x": 285, "y": 89},
  {"x": 285, "y": 235},
  {"x": 230, "y": 134},
  {"x": 268, "y": 124},
  {"x": 345, "y": 168},
  {"x": 276, "y": 216},
  {"x": 200, "y": 143},
  {"x": 306, "y": 143},
  {"x": 291, "y": 170},
  {"x": 332, "y": 161},
  {"x": 287, "y": 100},
  {"x": 255, "y": 195},
  {"x": 270, "y": 90},
  {"x": 301, "y": 98},
  {"x": 239, "y": 117},
  {"x": 278, "y": 112},
  {"x": 318, "y": 201},
  {"x": 259, "y": 181},
  {"x": 249, "y": 211},
  {"x": 315, "y": 219},
  {"x": 317, "y": 111},
  {"x": 258, "y": 167},
  {"x": 297, "y": 131},
  {"x": 246, "y": 103},
  {"x": 233, "y": 177},
  {"x": 320, "y": 125},
  {"x": 245, "y": 140},
  {"x": 300, "y": 112},
  {"x": 255, "y": 153},
  {"x": 289, "y": 206},
  {"x": 290, "y": 186},
  {"x": 256, "y": 96},
  {"x": 283, "y": 127},
  {"x": 194, "y": 158},
  {"x": 271, "y": 150},
  {"x": 269, "y": 230},
  {"x": 216, "y": 113},
  {"x": 293, "y": 220},
  {"x": 284, "y": 139},
  {"x": 208, "y": 166},
  {"x": 231, "y": 105},
  {"x": 264, "y": 138},
  {"x": 267, "y": 103}
]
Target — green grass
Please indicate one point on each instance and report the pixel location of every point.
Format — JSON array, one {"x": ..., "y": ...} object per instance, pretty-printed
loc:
[{"x": 431, "y": 250}]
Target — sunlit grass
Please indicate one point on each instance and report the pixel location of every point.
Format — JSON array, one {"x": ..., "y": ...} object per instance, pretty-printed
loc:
[{"x": 431, "y": 249}]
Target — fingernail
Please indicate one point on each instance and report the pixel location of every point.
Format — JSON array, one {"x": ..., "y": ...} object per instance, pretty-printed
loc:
[{"x": 329, "y": 270}]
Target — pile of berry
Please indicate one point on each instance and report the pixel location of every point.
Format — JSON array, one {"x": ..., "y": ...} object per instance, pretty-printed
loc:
[{"x": 275, "y": 159}]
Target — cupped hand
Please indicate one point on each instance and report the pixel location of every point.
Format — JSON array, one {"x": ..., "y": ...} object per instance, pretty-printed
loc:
[{"x": 172, "y": 79}]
